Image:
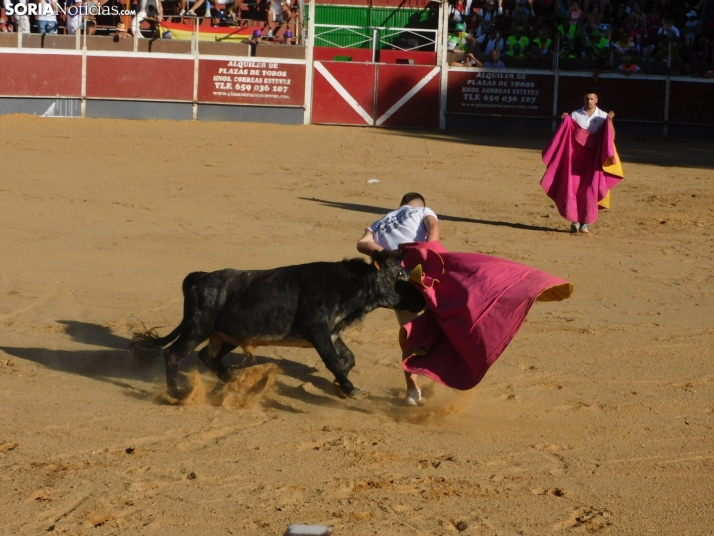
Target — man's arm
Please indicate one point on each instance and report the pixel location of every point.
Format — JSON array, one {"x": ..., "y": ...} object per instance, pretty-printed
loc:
[
  {"x": 471, "y": 40},
  {"x": 367, "y": 245},
  {"x": 433, "y": 232},
  {"x": 478, "y": 64},
  {"x": 610, "y": 117}
]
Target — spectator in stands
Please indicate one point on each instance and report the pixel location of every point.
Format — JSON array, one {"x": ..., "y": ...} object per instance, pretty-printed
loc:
[
  {"x": 654, "y": 21},
  {"x": 699, "y": 51},
  {"x": 664, "y": 46},
  {"x": 623, "y": 44},
  {"x": 559, "y": 10},
  {"x": 637, "y": 16},
  {"x": 121, "y": 32},
  {"x": 255, "y": 38},
  {"x": 192, "y": 12},
  {"x": 91, "y": 26},
  {"x": 494, "y": 62},
  {"x": 469, "y": 61},
  {"x": 567, "y": 52},
  {"x": 22, "y": 22},
  {"x": 489, "y": 12},
  {"x": 521, "y": 15},
  {"x": 594, "y": 18},
  {"x": 575, "y": 14},
  {"x": 46, "y": 18},
  {"x": 473, "y": 26},
  {"x": 4, "y": 25},
  {"x": 599, "y": 41},
  {"x": 517, "y": 52},
  {"x": 647, "y": 49},
  {"x": 518, "y": 39},
  {"x": 74, "y": 17},
  {"x": 490, "y": 41},
  {"x": 690, "y": 28},
  {"x": 459, "y": 11},
  {"x": 277, "y": 16},
  {"x": 460, "y": 40},
  {"x": 533, "y": 52},
  {"x": 627, "y": 67},
  {"x": 543, "y": 41},
  {"x": 669, "y": 29},
  {"x": 567, "y": 30},
  {"x": 590, "y": 53}
]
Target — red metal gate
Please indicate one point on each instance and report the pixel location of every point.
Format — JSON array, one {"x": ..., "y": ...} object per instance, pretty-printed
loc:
[
  {"x": 371, "y": 94},
  {"x": 343, "y": 93},
  {"x": 407, "y": 96}
]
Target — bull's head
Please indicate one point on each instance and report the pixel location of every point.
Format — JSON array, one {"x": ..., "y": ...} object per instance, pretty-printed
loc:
[{"x": 394, "y": 283}]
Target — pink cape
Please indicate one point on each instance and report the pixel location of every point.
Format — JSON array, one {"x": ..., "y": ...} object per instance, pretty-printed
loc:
[
  {"x": 574, "y": 177},
  {"x": 476, "y": 304}
]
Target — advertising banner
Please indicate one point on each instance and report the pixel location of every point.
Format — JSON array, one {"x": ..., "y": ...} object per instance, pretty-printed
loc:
[
  {"x": 251, "y": 81},
  {"x": 500, "y": 92}
]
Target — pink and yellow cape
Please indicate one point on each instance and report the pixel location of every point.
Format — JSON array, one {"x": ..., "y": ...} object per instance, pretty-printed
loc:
[{"x": 476, "y": 304}]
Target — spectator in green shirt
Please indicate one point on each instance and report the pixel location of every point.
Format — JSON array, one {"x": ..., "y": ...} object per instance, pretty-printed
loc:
[
  {"x": 543, "y": 41},
  {"x": 518, "y": 39}
]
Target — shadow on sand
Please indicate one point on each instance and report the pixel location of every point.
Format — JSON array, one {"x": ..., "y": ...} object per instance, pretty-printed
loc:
[
  {"x": 381, "y": 211},
  {"x": 113, "y": 364}
]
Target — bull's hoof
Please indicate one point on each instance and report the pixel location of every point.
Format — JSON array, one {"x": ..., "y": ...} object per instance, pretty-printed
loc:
[
  {"x": 358, "y": 394},
  {"x": 338, "y": 390}
]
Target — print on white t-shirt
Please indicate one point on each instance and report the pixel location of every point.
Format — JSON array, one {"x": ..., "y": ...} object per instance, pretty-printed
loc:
[{"x": 406, "y": 224}]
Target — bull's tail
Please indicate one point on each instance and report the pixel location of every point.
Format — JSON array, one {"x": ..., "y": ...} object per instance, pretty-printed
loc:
[{"x": 147, "y": 346}]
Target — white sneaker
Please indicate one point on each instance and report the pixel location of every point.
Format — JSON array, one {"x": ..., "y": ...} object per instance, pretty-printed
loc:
[
  {"x": 413, "y": 397},
  {"x": 270, "y": 34}
]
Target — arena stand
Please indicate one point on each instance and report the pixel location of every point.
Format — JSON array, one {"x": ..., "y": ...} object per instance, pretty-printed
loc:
[{"x": 386, "y": 64}]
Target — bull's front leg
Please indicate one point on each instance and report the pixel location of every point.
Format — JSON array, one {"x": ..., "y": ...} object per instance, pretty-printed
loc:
[
  {"x": 324, "y": 346},
  {"x": 346, "y": 355}
]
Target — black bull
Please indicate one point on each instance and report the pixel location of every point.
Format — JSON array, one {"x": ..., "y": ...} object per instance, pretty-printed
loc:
[{"x": 307, "y": 305}]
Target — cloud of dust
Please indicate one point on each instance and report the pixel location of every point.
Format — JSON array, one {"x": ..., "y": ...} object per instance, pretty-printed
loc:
[
  {"x": 440, "y": 402},
  {"x": 245, "y": 389}
]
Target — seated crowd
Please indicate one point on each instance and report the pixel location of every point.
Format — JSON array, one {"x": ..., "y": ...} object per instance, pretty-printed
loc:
[
  {"x": 273, "y": 15},
  {"x": 626, "y": 36}
]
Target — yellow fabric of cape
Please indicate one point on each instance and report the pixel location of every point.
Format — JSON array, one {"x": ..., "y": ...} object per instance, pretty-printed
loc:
[{"x": 613, "y": 168}]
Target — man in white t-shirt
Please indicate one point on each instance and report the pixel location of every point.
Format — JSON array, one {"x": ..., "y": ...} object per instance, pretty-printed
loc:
[
  {"x": 591, "y": 118},
  {"x": 411, "y": 222}
]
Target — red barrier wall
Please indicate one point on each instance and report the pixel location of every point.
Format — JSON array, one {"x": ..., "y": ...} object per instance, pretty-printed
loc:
[
  {"x": 251, "y": 82},
  {"x": 331, "y": 104},
  {"x": 126, "y": 77},
  {"x": 630, "y": 98},
  {"x": 41, "y": 75},
  {"x": 691, "y": 102},
  {"x": 329, "y": 53},
  {"x": 419, "y": 57},
  {"x": 395, "y": 82}
]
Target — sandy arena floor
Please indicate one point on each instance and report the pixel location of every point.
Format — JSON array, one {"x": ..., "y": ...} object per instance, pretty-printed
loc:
[{"x": 598, "y": 418}]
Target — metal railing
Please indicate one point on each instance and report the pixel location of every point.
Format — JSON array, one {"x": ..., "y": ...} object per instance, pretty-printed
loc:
[{"x": 335, "y": 35}]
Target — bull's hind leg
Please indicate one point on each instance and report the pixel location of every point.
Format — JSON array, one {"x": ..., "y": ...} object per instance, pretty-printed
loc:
[
  {"x": 176, "y": 353},
  {"x": 212, "y": 356},
  {"x": 325, "y": 347}
]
